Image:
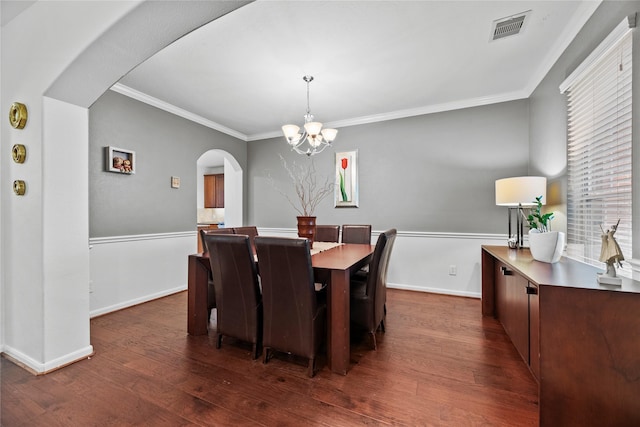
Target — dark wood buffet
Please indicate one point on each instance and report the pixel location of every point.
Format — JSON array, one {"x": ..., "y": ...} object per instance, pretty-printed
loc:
[{"x": 580, "y": 339}]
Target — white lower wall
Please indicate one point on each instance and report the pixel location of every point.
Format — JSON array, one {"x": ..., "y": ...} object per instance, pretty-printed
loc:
[
  {"x": 128, "y": 270},
  {"x": 420, "y": 261}
]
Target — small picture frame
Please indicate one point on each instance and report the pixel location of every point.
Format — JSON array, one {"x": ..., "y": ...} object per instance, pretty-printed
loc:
[
  {"x": 120, "y": 160},
  {"x": 346, "y": 187},
  {"x": 175, "y": 182}
]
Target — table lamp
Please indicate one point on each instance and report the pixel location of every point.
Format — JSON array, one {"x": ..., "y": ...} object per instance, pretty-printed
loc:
[{"x": 517, "y": 193}]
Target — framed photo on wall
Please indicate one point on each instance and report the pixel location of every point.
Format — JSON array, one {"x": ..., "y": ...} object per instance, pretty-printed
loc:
[
  {"x": 120, "y": 160},
  {"x": 346, "y": 188}
]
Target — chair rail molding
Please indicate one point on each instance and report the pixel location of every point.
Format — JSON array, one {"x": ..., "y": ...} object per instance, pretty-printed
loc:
[{"x": 421, "y": 260}]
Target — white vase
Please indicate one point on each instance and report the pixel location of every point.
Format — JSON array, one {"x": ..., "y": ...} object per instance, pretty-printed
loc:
[{"x": 546, "y": 247}]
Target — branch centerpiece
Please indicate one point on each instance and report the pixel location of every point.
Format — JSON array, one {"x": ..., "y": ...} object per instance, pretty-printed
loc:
[{"x": 310, "y": 189}]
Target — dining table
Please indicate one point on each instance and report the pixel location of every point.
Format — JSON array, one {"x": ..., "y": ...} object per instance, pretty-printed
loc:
[{"x": 336, "y": 264}]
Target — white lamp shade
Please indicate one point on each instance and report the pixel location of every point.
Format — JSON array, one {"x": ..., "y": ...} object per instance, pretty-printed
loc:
[
  {"x": 313, "y": 128},
  {"x": 521, "y": 190},
  {"x": 290, "y": 131},
  {"x": 329, "y": 134}
]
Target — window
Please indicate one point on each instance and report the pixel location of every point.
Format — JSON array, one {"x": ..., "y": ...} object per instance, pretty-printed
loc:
[{"x": 599, "y": 148}]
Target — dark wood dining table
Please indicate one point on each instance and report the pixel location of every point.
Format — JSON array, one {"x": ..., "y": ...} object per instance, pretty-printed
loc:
[{"x": 337, "y": 264}]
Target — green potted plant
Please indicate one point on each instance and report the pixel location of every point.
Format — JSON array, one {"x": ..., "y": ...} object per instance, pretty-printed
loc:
[{"x": 545, "y": 245}]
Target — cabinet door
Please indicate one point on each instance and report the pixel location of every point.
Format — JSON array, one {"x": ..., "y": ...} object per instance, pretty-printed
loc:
[
  {"x": 512, "y": 307},
  {"x": 519, "y": 329},
  {"x": 501, "y": 302},
  {"x": 534, "y": 331},
  {"x": 210, "y": 191},
  {"x": 220, "y": 191}
]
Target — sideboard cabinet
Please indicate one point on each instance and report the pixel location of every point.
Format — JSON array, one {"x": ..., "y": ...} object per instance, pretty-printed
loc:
[{"x": 581, "y": 340}]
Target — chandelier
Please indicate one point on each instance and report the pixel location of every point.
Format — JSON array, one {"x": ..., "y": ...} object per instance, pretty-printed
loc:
[{"x": 317, "y": 138}]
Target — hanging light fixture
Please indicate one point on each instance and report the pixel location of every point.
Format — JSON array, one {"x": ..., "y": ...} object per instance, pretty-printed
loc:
[{"x": 317, "y": 138}]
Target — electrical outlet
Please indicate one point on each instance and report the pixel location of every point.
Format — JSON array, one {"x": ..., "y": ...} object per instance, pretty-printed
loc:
[{"x": 453, "y": 270}]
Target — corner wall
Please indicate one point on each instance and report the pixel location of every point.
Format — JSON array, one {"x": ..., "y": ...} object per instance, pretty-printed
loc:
[{"x": 548, "y": 118}]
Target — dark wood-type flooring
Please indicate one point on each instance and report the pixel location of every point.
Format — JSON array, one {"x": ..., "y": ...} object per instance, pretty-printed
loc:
[{"x": 440, "y": 363}]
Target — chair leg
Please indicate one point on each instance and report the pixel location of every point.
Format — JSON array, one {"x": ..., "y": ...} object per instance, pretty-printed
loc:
[
  {"x": 219, "y": 341},
  {"x": 382, "y": 325},
  {"x": 373, "y": 337},
  {"x": 266, "y": 352},
  {"x": 256, "y": 351},
  {"x": 311, "y": 369}
]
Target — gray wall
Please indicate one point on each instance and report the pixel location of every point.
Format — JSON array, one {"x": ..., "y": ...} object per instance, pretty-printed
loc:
[
  {"x": 427, "y": 173},
  {"x": 166, "y": 145},
  {"x": 548, "y": 116}
]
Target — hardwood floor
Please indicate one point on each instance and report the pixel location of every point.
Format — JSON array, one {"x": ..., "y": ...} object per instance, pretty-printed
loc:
[{"x": 440, "y": 363}]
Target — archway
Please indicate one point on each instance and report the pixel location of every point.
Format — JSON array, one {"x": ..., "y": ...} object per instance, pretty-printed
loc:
[
  {"x": 46, "y": 321},
  {"x": 232, "y": 184}
]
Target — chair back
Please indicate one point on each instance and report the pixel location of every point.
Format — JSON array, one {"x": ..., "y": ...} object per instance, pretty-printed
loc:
[
  {"x": 238, "y": 297},
  {"x": 356, "y": 233},
  {"x": 205, "y": 231},
  {"x": 251, "y": 231},
  {"x": 290, "y": 306},
  {"x": 327, "y": 233},
  {"x": 377, "y": 277}
]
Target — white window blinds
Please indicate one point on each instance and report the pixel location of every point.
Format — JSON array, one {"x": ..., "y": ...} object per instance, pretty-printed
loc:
[{"x": 599, "y": 152}]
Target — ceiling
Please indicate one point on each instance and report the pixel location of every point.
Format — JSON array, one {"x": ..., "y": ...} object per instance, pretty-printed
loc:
[{"x": 371, "y": 60}]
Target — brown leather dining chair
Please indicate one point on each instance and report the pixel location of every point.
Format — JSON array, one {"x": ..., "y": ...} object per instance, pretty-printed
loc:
[
  {"x": 294, "y": 320},
  {"x": 360, "y": 234},
  {"x": 368, "y": 298},
  {"x": 238, "y": 297},
  {"x": 356, "y": 233},
  {"x": 327, "y": 233},
  {"x": 251, "y": 231},
  {"x": 211, "y": 294}
]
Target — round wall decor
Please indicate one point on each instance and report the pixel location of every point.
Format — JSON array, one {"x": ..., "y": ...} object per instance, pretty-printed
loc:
[
  {"x": 19, "y": 153},
  {"x": 18, "y": 115},
  {"x": 19, "y": 187}
]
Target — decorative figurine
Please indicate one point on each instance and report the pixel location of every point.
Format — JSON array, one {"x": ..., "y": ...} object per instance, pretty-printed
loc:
[{"x": 611, "y": 254}]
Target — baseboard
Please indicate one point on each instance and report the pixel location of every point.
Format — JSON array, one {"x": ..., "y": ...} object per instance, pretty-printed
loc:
[
  {"x": 136, "y": 301},
  {"x": 434, "y": 290},
  {"x": 38, "y": 368}
]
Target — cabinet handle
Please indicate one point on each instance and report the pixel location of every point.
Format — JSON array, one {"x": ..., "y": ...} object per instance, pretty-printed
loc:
[
  {"x": 532, "y": 291},
  {"x": 506, "y": 272}
]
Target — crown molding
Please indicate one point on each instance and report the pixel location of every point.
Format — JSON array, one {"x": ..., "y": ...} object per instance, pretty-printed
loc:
[
  {"x": 585, "y": 10},
  {"x": 393, "y": 115},
  {"x": 412, "y": 112},
  {"x": 170, "y": 108}
]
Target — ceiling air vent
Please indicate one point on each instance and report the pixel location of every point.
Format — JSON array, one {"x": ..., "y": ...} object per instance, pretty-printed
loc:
[{"x": 509, "y": 26}]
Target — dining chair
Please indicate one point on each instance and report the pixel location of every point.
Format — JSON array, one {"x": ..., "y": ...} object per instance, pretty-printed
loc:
[
  {"x": 327, "y": 233},
  {"x": 356, "y": 233},
  {"x": 238, "y": 297},
  {"x": 251, "y": 231},
  {"x": 368, "y": 298},
  {"x": 294, "y": 320},
  {"x": 211, "y": 294},
  {"x": 361, "y": 234}
]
